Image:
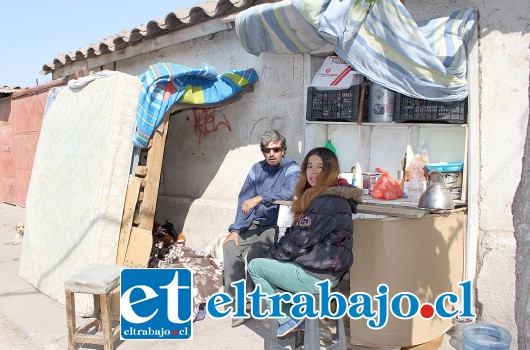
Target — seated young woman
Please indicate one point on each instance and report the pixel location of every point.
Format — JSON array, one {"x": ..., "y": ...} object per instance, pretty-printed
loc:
[{"x": 319, "y": 244}]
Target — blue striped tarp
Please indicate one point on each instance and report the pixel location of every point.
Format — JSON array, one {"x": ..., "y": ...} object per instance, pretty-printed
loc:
[
  {"x": 423, "y": 60},
  {"x": 164, "y": 84},
  {"x": 276, "y": 28},
  {"x": 379, "y": 38}
]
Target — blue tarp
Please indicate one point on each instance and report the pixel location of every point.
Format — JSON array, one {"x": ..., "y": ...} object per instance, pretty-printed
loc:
[{"x": 164, "y": 84}]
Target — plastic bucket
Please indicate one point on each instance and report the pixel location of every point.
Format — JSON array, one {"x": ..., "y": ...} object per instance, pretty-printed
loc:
[
  {"x": 481, "y": 336},
  {"x": 380, "y": 104}
]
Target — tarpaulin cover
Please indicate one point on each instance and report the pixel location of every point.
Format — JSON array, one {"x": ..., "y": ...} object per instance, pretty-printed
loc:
[
  {"x": 164, "y": 84},
  {"x": 379, "y": 38}
]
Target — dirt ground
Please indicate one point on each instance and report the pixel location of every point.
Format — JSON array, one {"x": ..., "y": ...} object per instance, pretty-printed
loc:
[{"x": 30, "y": 320}]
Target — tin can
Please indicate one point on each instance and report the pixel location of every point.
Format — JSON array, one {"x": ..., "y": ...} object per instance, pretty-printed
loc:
[{"x": 380, "y": 104}]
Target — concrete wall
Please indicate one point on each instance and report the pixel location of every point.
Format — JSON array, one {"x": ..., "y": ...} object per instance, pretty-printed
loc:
[
  {"x": 504, "y": 36},
  {"x": 504, "y": 119},
  {"x": 521, "y": 213}
]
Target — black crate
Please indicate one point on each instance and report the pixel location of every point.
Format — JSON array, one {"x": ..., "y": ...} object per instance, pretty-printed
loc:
[
  {"x": 410, "y": 110},
  {"x": 333, "y": 105}
]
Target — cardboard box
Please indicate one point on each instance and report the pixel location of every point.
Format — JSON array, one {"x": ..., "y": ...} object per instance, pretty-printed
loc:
[
  {"x": 422, "y": 256},
  {"x": 335, "y": 74}
]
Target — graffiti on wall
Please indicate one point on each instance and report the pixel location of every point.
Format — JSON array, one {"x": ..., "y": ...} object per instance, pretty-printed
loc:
[{"x": 207, "y": 121}]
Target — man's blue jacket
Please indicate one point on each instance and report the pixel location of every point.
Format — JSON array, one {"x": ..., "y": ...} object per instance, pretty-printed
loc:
[{"x": 271, "y": 184}]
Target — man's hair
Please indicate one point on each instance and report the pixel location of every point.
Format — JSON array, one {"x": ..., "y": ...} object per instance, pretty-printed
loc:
[{"x": 272, "y": 136}]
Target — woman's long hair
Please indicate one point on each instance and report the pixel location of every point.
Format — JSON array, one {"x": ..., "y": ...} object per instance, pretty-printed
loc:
[{"x": 303, "y": 192}]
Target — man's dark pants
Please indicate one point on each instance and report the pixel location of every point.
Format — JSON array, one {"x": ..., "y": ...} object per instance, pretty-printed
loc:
[{"x": 253, "y": 243}]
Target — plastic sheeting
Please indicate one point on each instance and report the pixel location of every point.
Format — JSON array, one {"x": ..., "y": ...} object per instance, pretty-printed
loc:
[{"x": 379, "y": 38}]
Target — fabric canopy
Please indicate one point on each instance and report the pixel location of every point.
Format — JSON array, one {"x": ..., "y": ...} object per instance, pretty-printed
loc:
[
  {"x": 379, "y": 38},
  {"x": 164, "y": 84}
]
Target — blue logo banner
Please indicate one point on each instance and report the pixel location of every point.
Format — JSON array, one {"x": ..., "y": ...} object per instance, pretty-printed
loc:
[{"x": 156, "y": 304}]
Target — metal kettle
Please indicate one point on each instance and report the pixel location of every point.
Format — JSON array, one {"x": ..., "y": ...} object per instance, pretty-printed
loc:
[{"x": 436, "y": 196}]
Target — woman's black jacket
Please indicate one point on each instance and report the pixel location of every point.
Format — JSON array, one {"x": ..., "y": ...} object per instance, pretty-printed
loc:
[{"x": 321, "y": 239}]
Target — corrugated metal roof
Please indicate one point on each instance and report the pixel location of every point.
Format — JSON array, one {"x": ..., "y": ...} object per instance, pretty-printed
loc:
[{"x": 174, "y": 20}]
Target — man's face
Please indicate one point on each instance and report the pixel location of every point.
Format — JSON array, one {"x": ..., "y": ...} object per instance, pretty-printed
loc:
[{"x": 274, "y": 153}]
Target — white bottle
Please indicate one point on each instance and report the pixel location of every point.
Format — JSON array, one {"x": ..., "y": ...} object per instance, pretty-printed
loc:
[{"x": 425, "y": 152}]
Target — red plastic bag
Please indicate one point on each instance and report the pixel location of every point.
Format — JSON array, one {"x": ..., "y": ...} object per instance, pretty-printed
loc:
[{"x": 386, "y": 187}]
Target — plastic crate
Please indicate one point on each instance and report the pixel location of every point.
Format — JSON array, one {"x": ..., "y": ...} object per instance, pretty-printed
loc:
[
  {"x": 408, "y": 109},
  {"x": 333, "y": 105}
]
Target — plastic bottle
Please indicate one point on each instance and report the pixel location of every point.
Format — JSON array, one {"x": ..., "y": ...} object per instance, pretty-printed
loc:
[
  {"x": 330, "y": 146},
  {"x": 425, "y": 155},
  {"x": 425, "y": 152},
  {"x": 406, "y": 177},
  {"x": 400, "y": 179},
  {"x": 415, "y": 188}
]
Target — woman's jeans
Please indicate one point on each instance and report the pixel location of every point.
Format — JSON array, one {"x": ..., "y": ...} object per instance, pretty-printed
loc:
[{"x": 272, "y": 274}]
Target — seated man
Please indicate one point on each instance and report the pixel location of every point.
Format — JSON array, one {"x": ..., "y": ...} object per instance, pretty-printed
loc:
[{"x": 254, "y": 229}]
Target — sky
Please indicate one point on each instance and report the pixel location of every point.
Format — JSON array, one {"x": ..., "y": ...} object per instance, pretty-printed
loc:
[{"x": 34, "y": 32}]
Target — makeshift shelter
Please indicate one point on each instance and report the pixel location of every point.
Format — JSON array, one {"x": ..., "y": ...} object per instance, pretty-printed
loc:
[
  {"x": 200, "y": 176},
  {"x": 82, "y": 201}
]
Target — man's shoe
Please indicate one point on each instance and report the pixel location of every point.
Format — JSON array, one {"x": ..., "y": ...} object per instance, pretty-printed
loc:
[
  {"x": 288, "y": 327},
  {"x": 236, "y": 322}
]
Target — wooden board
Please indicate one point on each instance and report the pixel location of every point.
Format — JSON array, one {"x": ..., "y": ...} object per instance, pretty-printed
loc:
[
  {"x": 380, "y": 209},
  {"x": 135, "y": 243},
  {"x": 127, "y": 219},
  {"x": 137, "y": 255},
  {"x": 155, "y": 156},
  {"x": 391, "y": 211},
  {"x": 361, "y": 103},
  {"x": 139, "y": 248}
]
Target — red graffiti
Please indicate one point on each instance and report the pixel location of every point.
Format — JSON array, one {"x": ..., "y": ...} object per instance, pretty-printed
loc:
[{"x": 206, "y": 122}]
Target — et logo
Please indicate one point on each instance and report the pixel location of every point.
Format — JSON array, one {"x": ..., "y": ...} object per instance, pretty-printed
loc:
[{"x": 156, "y": 304}]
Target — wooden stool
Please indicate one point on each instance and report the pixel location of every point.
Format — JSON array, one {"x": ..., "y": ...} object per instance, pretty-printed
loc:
[{"x": 99, "y": 280}]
